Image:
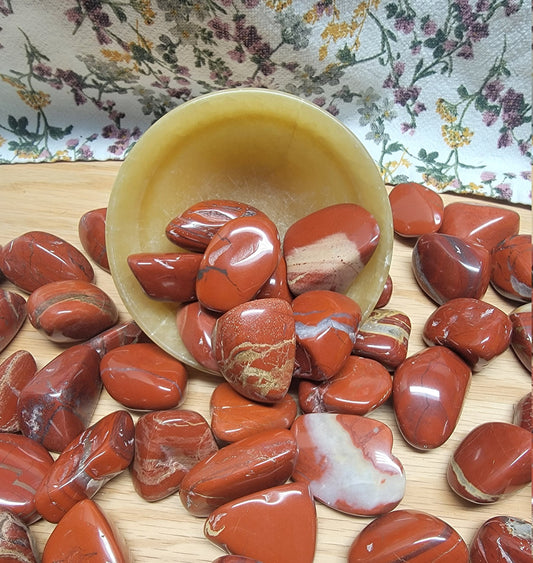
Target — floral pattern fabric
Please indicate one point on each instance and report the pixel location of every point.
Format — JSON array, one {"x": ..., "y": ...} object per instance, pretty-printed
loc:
[{"x": 438, "y": 90}]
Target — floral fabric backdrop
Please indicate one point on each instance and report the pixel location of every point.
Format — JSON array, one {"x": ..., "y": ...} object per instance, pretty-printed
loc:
[{"x": 438, "y": 90}]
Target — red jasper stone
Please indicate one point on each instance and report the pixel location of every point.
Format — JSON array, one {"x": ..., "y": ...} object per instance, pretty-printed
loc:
[
  {"x": 521, "y": 335},
  {"x": 197, "y": 225},
  {"x": 143, "y": 376},
  {"x": 92, "y": 459},
  {"x": 448, "y": 267},
  {"x": 83, "y": 534},
  {"x": 326, "y": 323},
  {"x": 254, "y": 345},
  {"x": 502, "y": 539},
  {"x": 523, "y": 414},
  {"x": 416, "y": 210},
  {"x": 12, "y": 316},
  {"x": 429, "y": 390},
  {"x": 278, "y": 525},
  {"x": 16, "y": 543},
  {"x": 477, "y": 331},
  {"x": 265, "y": 459},
  {"x": 359, "y": 387},
  {"x": 23, "y": 465},
  {"x": 481, "y": 224},
  {"x": 195, "y": 326},
  {"x": 384, "y": 337},
  {"x": 59, "y": 401},
  {"x": 121, "y": 334},
  {"x": 167, "y": 277},
  {"x": 277, "y": 285},
  {"x": 167, "y": 445},
  {"x": 15, "y": 372},
  {"x": 408, "y": 535},
  {"x": 238, "y": 261},
  {"x": 71, "y": 310},
  {"x": 386, "y": 294},
  {"x": 492, "y": 461},
  {"x": 235, "y": 559},
  {"x": 37, "y": 257},
  {"x": 328, "y": 248},
  {"x": 91, "y": 230},
  {"x": 347, "y": 462},
  {"x": 511, "y": 267},
  {"x": 234, "y": 417}
]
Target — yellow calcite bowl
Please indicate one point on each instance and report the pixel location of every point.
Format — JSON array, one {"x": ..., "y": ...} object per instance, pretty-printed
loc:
[{"x": 272, "y": 150}]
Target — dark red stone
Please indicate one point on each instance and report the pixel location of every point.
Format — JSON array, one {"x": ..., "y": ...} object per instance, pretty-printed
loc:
[
  {"x": 386, "y": 294},
  {"x": 429, "y": 390},
  {"x": 239, "y": 260},
  {"x": 416, "y": 210},
  {"x": 234, "y": 417},
  {"x": 326, "y": 323},
  {"x": 143, "y": 376},
  {"x": 91, "y": 230},
  {"x": 523, "y": 414},
  {"x": 58, "y": 403},
  {"x": 167, "y": 277},
  {"x": 359, "y": 387},
  {"x": 482, "y": 224},
  {"x": 23, "y": 465},
  {"x": 121, "y": 334},
  {"x": 511, "y": 267},
  {"x": 384, "y": 337},
  {"x": 277, "y": 285},
  {"x": 502, "y": 539},
  {"x": 492, "y": 461},
  {"x": 37, "y": 257},
  {"x": 167, "y": 445},
  {"x": 12, "y": 316},
  {"x": 93, "y": 458},
  {"x": 195, "y": 227},
  {"x": 85, "y": 534},
  {"x": 16, "y": 542},
  {"x": 328, "y": 248},
  {"x": 277, "y": 525},
  {"x": 521, "y": 335},
  {"x": 71, "y": 310},
  {"x": 447, "y": 267},
  {"x": 254, "y": 345},
  {"x": 408, "y": 535},
  {"x": 195, "y": 326},
  {"x": 265, "y": 459},
  {"x": 15, "y": 372},
  {"x": 477, "y": 331}
]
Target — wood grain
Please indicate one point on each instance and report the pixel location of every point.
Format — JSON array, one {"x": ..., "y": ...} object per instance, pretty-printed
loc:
[{"x": 53, "y": 197}]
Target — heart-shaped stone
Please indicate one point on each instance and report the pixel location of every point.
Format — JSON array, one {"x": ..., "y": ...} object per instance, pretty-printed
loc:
[
  {"x": 277, "y": 525},
  {"x": 492, "y": 461},
  {"x": 447, "y": 267},
  {"x": 85, "y": 533},
  {"x": 167, "y": 445},
  {"x": 429, "y": 390},
  {"x": 328, "y": 248},
  {"x": 408, "y": 535},
  {"x": 254, "y": 345},
  {"x": 347, "y": 462}
]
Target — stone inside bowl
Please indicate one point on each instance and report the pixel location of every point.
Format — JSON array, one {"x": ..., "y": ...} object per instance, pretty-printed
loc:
[{"x": 269, "y": 149}]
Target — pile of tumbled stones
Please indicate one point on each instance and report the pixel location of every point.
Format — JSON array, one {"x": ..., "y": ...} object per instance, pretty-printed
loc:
[{"x": 268, "y": 316}]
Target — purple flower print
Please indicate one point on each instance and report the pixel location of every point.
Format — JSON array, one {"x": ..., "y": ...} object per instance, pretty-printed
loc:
[
  {"x": 404, "y": 95},
  {"x": 405, "y": 25},
  {"x": 220, "y": 28},
  {"x": 482, "y": 5},
  {"x": 505, "y": 139},
  {"x": 429, "y": 28},
  {"x": 488, "y": 176},
  {"x": 492, "y": 90},
  {"x": 72, "y": 143},
  {"x": 505, "y": 191},
  {"x": 489, "y": 118},
  {"x": 512, "y": 103},
  {"x": 466, "y": 51}
]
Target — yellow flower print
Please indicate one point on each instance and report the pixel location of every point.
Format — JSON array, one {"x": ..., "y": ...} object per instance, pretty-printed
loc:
[
  {"x": 278, "y": 5},
  {"x": 60, "y": 155},
  {"x": 2, "y": 140},
  {"x": 456, "y": 136},
  {"x": 116, "y": 56},
  {"x": 12, "y": 81},
  {"x": 35, "y": 100},
  {"x": 446, "y": 111},
  {"x": 146, "y": 11}
]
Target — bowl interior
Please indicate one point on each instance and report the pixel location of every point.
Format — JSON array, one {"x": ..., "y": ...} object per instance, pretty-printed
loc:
[{"x": 272, "y": 150}]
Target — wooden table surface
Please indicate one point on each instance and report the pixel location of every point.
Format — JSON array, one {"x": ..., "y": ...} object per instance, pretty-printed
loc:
[{"x": 52, "y": 197}]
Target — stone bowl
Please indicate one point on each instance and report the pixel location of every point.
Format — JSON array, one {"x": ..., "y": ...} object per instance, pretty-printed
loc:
[{"x": 272, "y": 150}]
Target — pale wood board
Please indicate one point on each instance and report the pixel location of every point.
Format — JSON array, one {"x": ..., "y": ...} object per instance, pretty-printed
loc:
[{"x": 53, "y": 197}]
